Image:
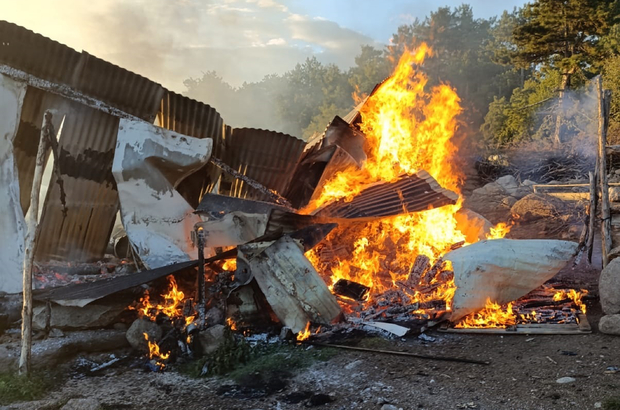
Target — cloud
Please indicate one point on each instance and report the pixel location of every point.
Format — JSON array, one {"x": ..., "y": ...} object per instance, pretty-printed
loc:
[{"x": 171, "y": 40}]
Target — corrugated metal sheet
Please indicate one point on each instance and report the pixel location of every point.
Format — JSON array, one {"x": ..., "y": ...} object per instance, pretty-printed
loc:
[
  {"x": 199, "y": 120},
  {"x": 410, "y": 193},
  {"x": 86, "y": 148},
  {"x": 47, "y": 59},
  {"x": 266, "y": 156}
]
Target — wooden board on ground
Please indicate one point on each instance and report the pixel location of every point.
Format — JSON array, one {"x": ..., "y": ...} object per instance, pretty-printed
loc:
[{"x": 529, "y": 329}]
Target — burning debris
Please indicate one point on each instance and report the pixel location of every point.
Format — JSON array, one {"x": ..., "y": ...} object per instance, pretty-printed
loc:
[{"x": 365, "y": 230}]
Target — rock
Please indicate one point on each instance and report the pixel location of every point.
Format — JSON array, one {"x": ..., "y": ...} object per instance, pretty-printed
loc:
[
  {"x": 614, "y": 253},
  {"x": 286, "y": 333},
  {"x": 535, "y": 206},
  {"x": 4, "y": 323},
  {"x": 614, "y": 194},
  {"x": 474, "y": 226},
  {"x": 529, "y": 183},
  {"x": 610, "y": 324},
  {"x": 120, "y": 326},
  {"x": 609, "y": 287},
  {"x": 508, "y": 183},
  {"x": 493, "y": 188},
  {"x": 82, "y": 404},
  {"x": 522, "y": 192},
  {"x": 74, "y": 317},
  {"x": 389, "y": 407},
  {"x": 509, "y": 201},
  {"x": 51, "y": 352},
  {"x": 135, "y": 333},
  {"x": 56, "y": 333},
  {"x": 212, "y": 338},
  {"x": 564, "y": 380}
]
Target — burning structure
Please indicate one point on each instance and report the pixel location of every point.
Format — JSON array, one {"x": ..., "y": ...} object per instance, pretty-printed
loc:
[{"x": 362, "y": 227}]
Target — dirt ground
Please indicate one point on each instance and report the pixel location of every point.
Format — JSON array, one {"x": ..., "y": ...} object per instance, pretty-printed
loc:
[{"x": 522, "y": 373}]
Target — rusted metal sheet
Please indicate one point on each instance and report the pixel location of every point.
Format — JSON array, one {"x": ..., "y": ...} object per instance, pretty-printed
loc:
[
  {"x": 410, "y": 193},
  {"x": 86, "y": 146},
  {"x": 47, "y": 59},
  {"x": 266, "y": 156},
  {"x": 190, "y": 117}
]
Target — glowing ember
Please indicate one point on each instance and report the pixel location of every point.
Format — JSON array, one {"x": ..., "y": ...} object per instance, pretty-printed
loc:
[
  {"x": 230, "y": 265},
  {"x": 155, "y": 354},
  {"x": 231, "y": 323},
  {"x": 408, "y": 128},
  {"x": 492, "y": 316}
]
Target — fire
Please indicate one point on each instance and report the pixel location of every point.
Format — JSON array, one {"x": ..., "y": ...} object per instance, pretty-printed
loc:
[
  {"x": 154, "y": 352},
  {"x": 493, "y": 315},
  {"x": 498, "y": 231},
  {"x": 305, "y": 334},
  {"x": 230, "y": 265},
  {"x": 575, "y": 296},
  {"x": 408, "y": 128},
  {"x": 172, "y": 305},
  {"x": 231, "y": 323}
]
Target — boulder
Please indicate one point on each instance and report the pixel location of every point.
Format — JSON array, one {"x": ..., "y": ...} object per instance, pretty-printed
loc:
[
  {"x": 509, "y": 201},
  {"x": 492, "y": 188},
  {"x": 614, "y": 253},
  {"x": 529, "y": 183},
  {"x": 508, "y": 183},
  {"x": 75, "y": 317},
  {"x": 610, "y": 325},
  {"x": 212, "y": 338},
  {"x": 135, "y": 333},
  {"x": 82, "y": 404},
  {"x": 535, "y": 206},
  {"x": 609, "y": 287}
]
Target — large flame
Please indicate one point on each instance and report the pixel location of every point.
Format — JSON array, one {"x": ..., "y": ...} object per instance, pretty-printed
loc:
[{"x": 408, "y": 128}]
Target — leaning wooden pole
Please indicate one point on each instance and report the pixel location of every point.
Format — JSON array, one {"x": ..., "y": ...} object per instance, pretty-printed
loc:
[
  {"x": 604, "y": 98},
  {"x": 47, "y": 132},
  {"x": 591, "y": 215}
]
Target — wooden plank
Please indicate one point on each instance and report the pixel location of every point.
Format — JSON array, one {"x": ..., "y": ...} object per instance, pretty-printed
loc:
[
  {"x": 291, "y": 285},
  {"x": 604, "y": 101},
  {"x": 592, "y": 219}
]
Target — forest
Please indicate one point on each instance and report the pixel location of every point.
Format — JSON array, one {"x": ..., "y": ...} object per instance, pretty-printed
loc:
[{"x": 513, "y": 73}]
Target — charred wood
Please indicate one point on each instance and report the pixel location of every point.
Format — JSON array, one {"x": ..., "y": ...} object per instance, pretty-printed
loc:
[
  {"x": 351, "y": 289},
  {"x": 419, "y": 268}
]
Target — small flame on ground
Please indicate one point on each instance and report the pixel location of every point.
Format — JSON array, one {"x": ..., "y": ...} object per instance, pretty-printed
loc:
[
  {"x": 231, "y": 323},
  {"x": 305, "y": 334},
  {"x": 154, "y": 352},
  {"x": 172, "y": 305},
  {"x": 575, "y": 296}
]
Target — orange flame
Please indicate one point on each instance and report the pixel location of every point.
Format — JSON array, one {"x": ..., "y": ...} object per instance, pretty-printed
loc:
[
  {"x": 492, "y": 316},
  {"x": 155, "y": 353},
  {"x": 305, "y": 334},
  {"x": 230, "y": 265},
  {"x": 172, "y": 305},
  {"x": 408, "y": 128},
  {"x": 231, "y": 323},
  {"x": 575, "y": 296}
]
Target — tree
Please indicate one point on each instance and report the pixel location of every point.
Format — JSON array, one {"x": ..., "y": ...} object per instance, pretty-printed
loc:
[{"x": 565, "y": 35}]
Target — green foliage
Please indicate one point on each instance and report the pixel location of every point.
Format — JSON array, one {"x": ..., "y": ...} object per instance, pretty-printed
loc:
[
  {"x": 15, "y": 388},
  {"x": 564, "y": 34},
  {"x": 235, "y": 358},
  {"x": 611, "y": 403},
  {"x": 611, "y": 81}
]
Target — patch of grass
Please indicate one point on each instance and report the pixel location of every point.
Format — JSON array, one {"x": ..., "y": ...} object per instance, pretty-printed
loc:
[
  {"x": 375, "y": 343},
  {"x": 236, "y": 359},
  {"x": 15, "y": 388},
  {"x": 282, "y": 358},
  {"x": 611, "y": 403}
]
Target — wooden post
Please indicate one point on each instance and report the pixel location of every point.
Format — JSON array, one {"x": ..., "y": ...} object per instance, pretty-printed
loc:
[
  {"x": 603, "y": 111},
  {"x": 47, "y": 132},
  {"x": 202, "y": 288},
  {"x": 592, "y": 215}
]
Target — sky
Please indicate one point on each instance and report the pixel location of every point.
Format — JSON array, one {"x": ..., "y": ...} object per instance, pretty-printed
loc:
[{"x": 169, "y": 41}]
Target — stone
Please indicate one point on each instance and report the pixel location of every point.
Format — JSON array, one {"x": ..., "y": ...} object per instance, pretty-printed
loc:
[
  {"x": 493, "y": 188},
  {"x": 522, "y": 192},
  {"x": 508, "y": 183},
  {"x": 135, "y": 333},
  {"x": 51, "y": 352},
  {"x": 286, "y": 333},
  {"x": 535, "y": 206},
  {"x": 614, "y": 194},
  {"x": 509, "y": 201},
  {"x": 614, "y": 253},
  {"x": 610, "y": 324},
  {"x": 55, "y": 332},
  {"x": 564, "y": 380},
  {"x": 529, "y": 182},
  {"x": 389, "y": 407},
  {"x": 212, "y": 338},
  {"x": 609, "y": 287},
  {"x": 73, "y": 317},
  {"x": 82, "y": 404}
]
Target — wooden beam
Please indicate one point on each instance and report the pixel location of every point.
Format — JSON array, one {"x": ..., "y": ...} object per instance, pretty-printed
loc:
[{"x": 604, "y": 101}]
